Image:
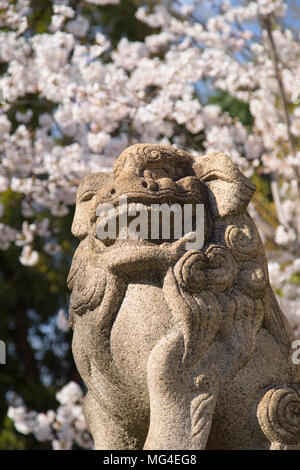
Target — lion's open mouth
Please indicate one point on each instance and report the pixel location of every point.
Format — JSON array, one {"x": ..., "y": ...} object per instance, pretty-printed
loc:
[
  {"x": 169, "y": 196},
  {"x": 157, "y": 220}
]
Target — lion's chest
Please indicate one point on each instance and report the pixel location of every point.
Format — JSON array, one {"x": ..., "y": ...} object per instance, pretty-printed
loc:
[{"x": 143, "y": 319}]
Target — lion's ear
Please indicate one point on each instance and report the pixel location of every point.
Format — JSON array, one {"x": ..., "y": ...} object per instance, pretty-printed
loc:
[
  {"x": 85, "y": 193},
  {"x": 228, "y": 189}
]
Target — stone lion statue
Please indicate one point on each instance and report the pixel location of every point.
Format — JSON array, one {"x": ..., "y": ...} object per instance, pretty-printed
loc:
[{"x": 180, "y": 349}]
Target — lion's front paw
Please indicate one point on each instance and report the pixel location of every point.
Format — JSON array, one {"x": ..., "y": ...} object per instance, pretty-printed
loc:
[{"x": 165, "y": 363}]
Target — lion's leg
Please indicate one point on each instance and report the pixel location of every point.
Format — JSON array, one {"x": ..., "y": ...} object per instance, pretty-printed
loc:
[
  {"x": 107, "y": 432},
  {"x": 182, "y": 403}
]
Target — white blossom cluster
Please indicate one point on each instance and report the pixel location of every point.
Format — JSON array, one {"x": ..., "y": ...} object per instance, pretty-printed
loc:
[
  {"x": 64, "y": 427},
  {"x": 281, "y": 272},
  {"x": 14, "y": 14}
]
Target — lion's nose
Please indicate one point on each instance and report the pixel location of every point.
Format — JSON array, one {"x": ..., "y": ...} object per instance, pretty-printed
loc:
[
  {"x": 167, "y": 183},
  {"x": 150, "y": 184}
]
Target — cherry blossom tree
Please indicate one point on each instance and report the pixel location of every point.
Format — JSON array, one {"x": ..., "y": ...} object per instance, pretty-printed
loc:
[{"x": 73, "y": 96}]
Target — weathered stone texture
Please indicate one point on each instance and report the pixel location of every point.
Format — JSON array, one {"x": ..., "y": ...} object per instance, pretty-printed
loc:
[{"x": 180, "y": 349}]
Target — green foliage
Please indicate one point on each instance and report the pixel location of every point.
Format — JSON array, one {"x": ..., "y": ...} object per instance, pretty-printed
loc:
[
  {"x": 9, "y": 438},
  {"x": 263, "y": 188},
  {"x": 38, "y": 353},
  {"x": 37, "y": 105},
  {"x": 263, "y": 201},
  {"x": 234, "y": 106},
  {"x": 118, "y": 21}
]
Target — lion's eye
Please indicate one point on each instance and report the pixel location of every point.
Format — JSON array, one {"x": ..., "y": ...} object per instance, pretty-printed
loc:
[
  {"x": 211, "y": 177},
  {"x": 87, "y": 196},
  {"x": 159, "y": 173}
]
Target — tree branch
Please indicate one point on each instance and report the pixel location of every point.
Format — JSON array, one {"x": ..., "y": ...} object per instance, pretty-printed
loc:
[{"x": 266, "y": 22}]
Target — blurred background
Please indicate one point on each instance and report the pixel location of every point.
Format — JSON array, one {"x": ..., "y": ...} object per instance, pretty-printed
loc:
[{"x": 79, "y": 82}]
